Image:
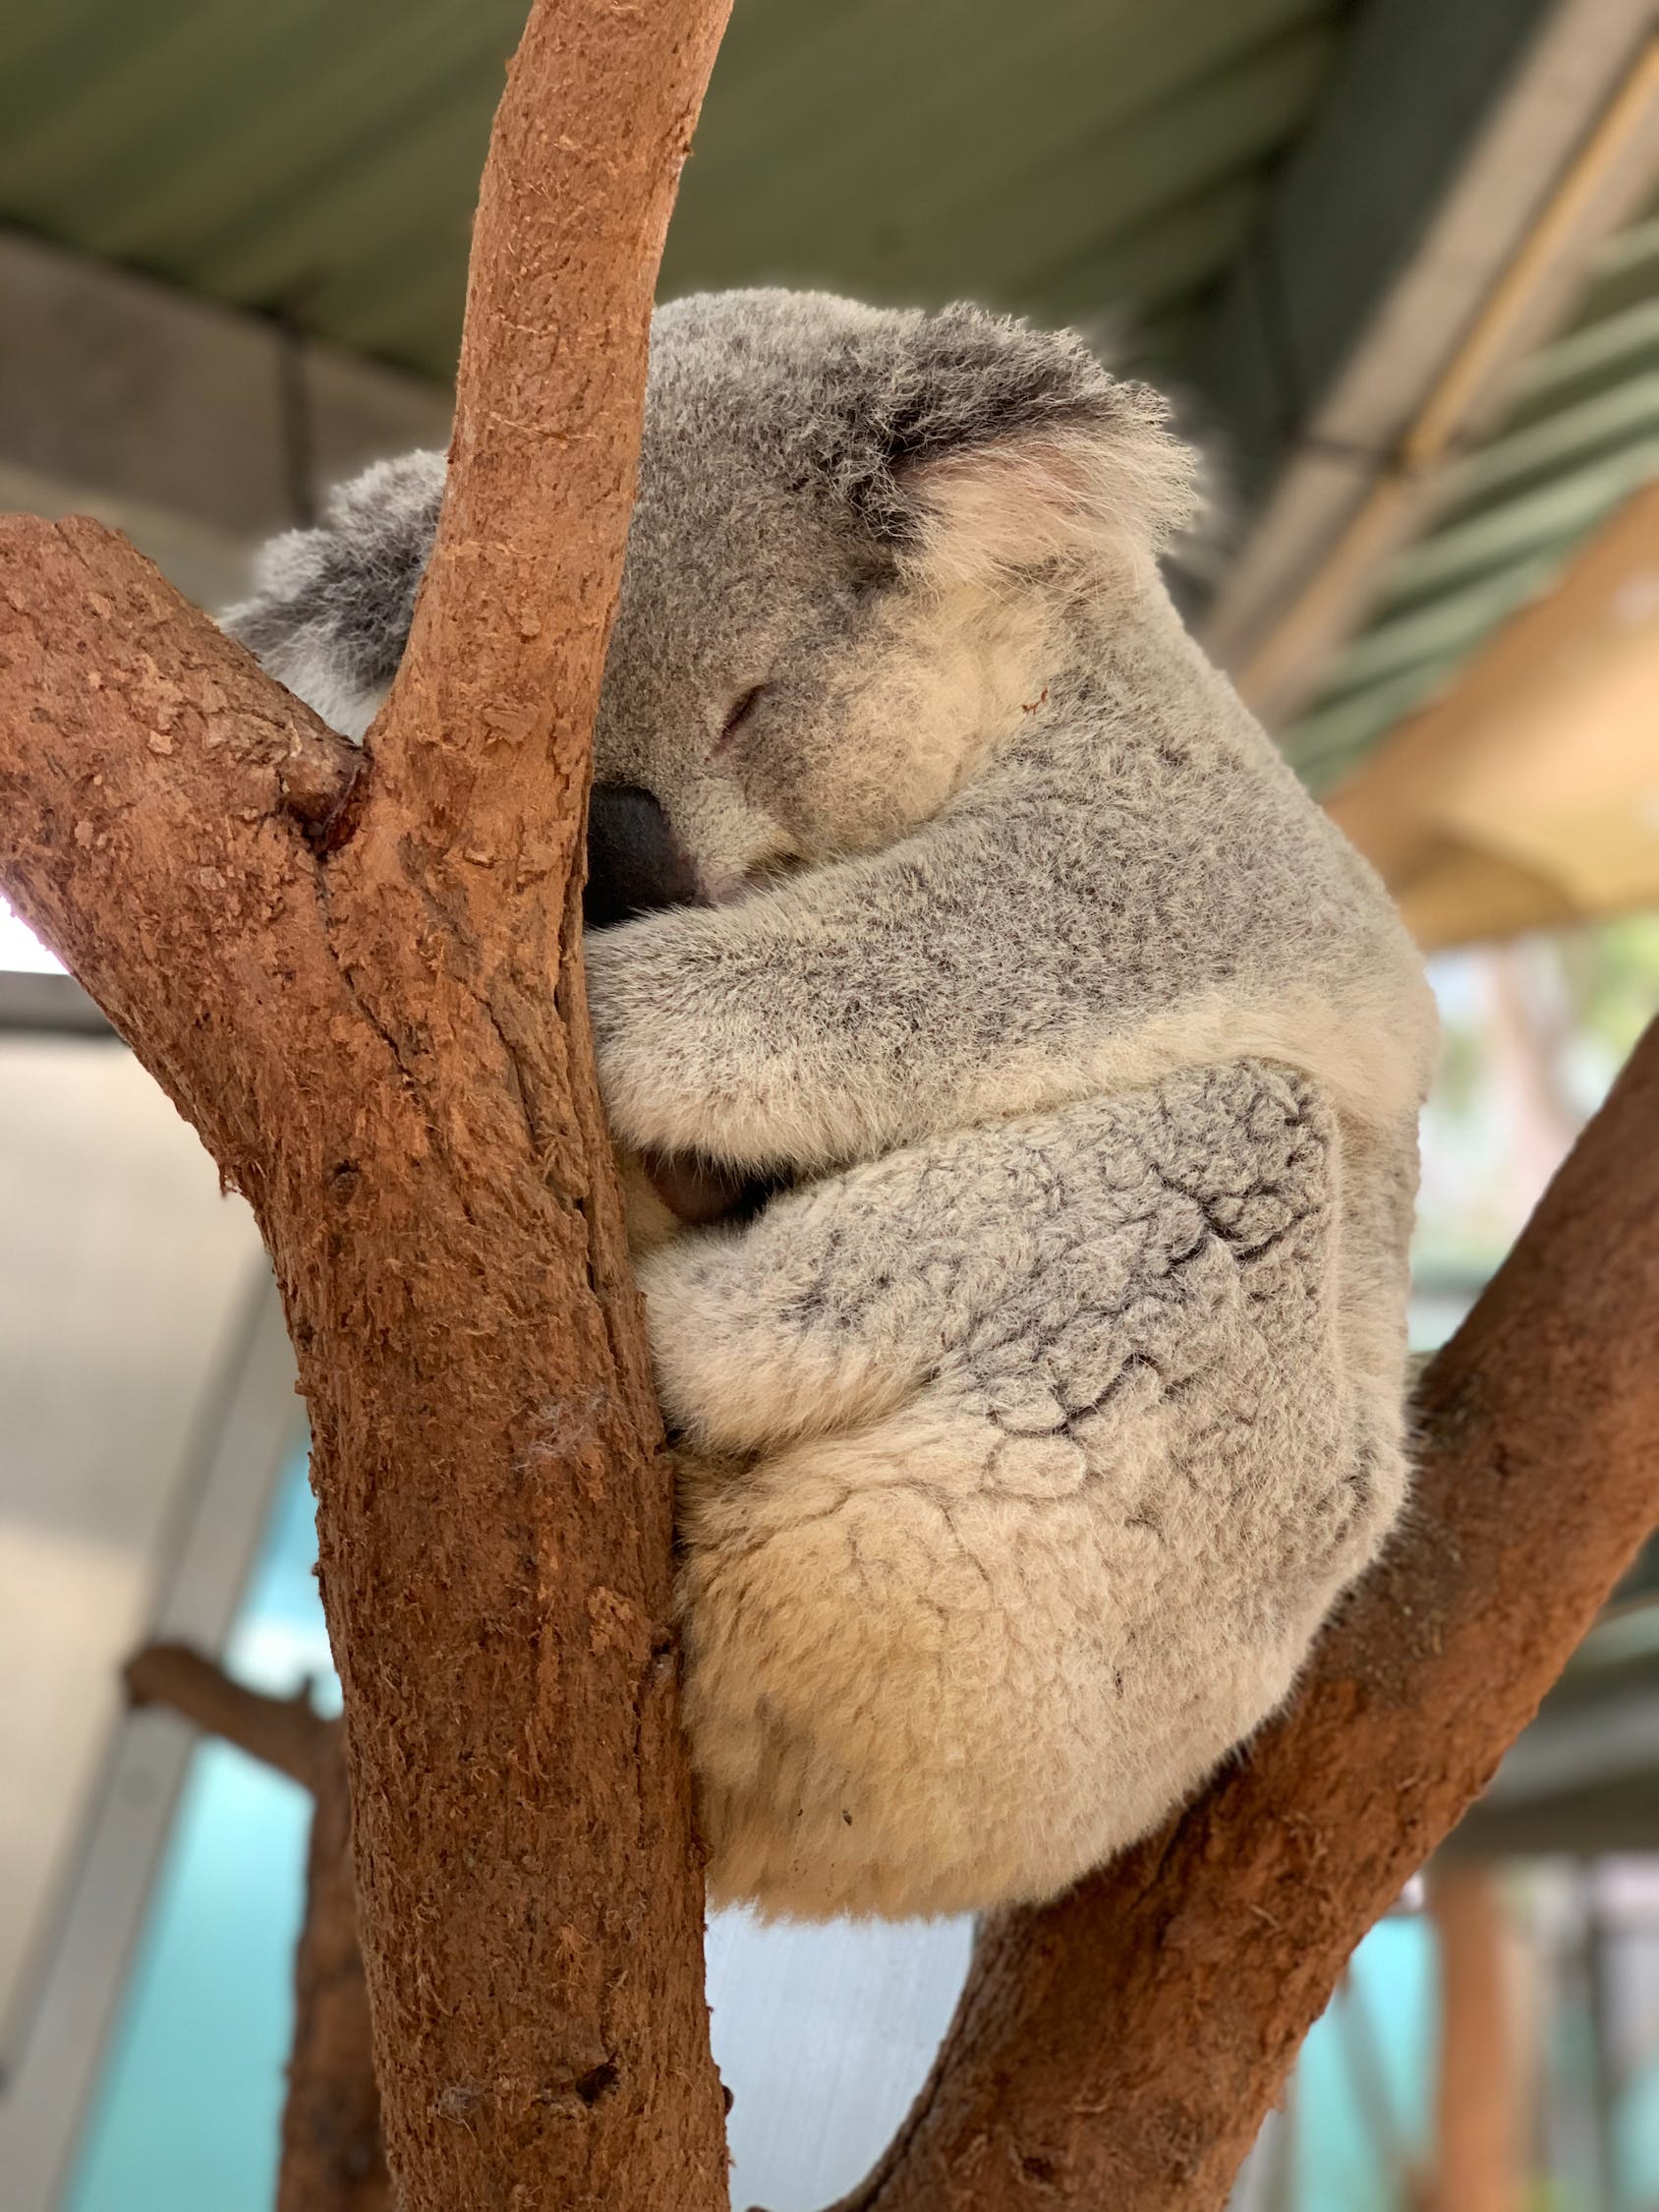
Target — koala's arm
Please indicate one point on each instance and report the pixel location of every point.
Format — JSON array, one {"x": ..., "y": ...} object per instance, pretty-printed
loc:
[
  {"x": 995, "y": 964},
  {"x": 838, "y": 1300},
  {"x": 732, "y": 1033}
]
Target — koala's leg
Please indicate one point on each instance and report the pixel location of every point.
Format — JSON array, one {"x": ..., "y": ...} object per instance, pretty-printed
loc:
[{"x": 953, "y": 1638}]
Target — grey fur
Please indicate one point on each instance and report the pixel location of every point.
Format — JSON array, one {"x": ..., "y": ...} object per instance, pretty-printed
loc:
[
  {"x": 331, "y": 607},
  {"x": 1028, "y": 1443}
]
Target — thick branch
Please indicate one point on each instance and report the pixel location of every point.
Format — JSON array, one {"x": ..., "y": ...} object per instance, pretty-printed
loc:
[
  {"x": 287, "y": 1733},
  {"x": 375, "y": 1020},
  {"x": 1123, "y": 2046},
  {"x": 488, "y": 721}
]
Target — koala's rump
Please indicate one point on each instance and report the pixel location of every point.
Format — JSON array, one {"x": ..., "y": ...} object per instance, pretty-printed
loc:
[{"x": 955, "y": 1656}]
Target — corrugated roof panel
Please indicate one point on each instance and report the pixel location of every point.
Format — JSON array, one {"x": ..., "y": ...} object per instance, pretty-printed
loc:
[
  {"x": 1212, "y": 135},
  {"x": 319, "y": 161},
  {"x": 1588, "y": 360},
  {"x": 1572, "y": 433},
  {"x": 962, "y": 148}
]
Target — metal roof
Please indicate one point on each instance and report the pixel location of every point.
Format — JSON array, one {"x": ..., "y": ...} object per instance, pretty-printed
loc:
[{"x": 319, "y": 161}]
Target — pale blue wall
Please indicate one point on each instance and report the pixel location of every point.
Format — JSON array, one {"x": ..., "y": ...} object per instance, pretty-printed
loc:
[{"x": 187, "y": 2115}]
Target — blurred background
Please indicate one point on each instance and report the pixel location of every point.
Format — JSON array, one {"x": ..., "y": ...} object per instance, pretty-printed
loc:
[{"x": 1399, "y": 262}]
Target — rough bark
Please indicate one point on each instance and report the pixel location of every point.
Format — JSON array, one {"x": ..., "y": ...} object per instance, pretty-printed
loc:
[
  {"x": 1122, "y": 2046},
  {"x": 367, "y": 994},
  {"x": 1477, "y": 2136},
  {"x": 363, "y": 984},
  {"x": 333, "y": 2155}
]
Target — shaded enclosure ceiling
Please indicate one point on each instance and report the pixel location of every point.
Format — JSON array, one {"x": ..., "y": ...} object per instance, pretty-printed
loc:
[
  {"x": 319, "y": 161},
  {"x": 1081, "y": 160}
]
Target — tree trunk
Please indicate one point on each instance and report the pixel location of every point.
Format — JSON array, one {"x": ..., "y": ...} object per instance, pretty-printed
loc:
[
  {"x": 362, "y": 981},
  {"x": 1477, "y": 2090},
  {"x": 1121, "y": 2047}
]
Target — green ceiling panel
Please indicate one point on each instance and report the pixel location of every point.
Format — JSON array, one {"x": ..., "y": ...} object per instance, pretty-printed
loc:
[{"x": 319, "y": 161}]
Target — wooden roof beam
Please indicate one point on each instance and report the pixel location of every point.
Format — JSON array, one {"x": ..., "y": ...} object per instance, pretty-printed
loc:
[{"x": 1527, "y": 794}]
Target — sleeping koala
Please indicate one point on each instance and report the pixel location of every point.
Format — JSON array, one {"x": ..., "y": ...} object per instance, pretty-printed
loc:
[{"x": 1031, "y": 1425}]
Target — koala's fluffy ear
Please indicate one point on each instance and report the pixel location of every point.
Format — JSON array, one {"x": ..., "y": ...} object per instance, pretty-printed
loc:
[
  {"x": 975, "y": 444},
  {"x": 332, "y": 606}
]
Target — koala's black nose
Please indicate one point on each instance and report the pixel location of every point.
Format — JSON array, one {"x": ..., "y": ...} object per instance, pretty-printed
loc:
[{"x": 634, "y": 863}]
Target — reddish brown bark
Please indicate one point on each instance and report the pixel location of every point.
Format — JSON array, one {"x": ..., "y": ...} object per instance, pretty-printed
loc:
[
  {"x": 1123, "y": 2046},
  {"x": 333, "y": 2155},
  {"x": 384, "y": 1044},
  {"x": 365, "y": 989},
  {"x": 1478, "y": 2128}
]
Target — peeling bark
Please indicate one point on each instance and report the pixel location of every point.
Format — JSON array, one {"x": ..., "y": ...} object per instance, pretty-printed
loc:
[
  {"x": 375, "y": 1015},
  {"x": 1121, "y": 2047}
]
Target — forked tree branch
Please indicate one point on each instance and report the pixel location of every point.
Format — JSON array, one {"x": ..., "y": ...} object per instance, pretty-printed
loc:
[
  {"x": 375, "y": 1016},
  {"x": 1123, "y": 2046}
]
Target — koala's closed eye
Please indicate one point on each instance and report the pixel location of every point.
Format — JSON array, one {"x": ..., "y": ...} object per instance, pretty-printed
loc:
[{"x": 742, "y": 708}]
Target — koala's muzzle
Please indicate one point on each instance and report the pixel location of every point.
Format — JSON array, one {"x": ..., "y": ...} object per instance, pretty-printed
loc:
[{"x": 635, "y": 863}]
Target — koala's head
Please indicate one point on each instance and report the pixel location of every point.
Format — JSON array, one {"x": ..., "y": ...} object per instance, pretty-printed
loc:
[
  {"x": 857, "y": 535},
  {"x": 856, "y": 532}
]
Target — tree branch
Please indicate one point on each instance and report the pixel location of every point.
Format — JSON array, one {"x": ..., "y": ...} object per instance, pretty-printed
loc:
[
  {"x": 1122, "y": 2046},
  {"x": 287, "y": 1733},
  {"x": 334, "y": 2150},
  {"x": 333, "y": 2153},
  {"x": 373, "y": 1014}
]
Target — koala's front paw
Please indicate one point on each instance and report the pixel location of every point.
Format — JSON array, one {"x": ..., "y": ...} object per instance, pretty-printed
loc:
[
  {"x": 648, "y": 1022},
  {"x": 719, "y": 1033}
]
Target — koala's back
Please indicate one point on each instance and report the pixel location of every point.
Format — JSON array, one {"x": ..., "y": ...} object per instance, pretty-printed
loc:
[{"x": 960, "y": 1653}]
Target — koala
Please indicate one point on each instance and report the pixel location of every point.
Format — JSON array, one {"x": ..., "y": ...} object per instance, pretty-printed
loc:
[{"x": 1038, "y": 1387}]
